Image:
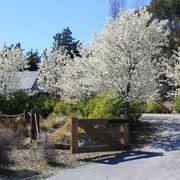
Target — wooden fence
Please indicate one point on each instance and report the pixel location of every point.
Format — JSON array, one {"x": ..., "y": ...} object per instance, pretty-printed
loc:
[
  {"x": 88, "y": 135},
  {"x": 27, "y": 117}
]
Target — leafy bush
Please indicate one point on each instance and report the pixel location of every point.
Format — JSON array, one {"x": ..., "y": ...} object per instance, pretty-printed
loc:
[
  {"x": 17, "y": 102},
  {"x": 105, "y": 105},
  {"x": 14, "y": 103},
  {"x": 136, "y": 109},
  {"x": 177, "y": 104},
  {"x": 65, "y": 108},
  {"x": 42, "y": 105},
  {"x": 156, "y": 107}
]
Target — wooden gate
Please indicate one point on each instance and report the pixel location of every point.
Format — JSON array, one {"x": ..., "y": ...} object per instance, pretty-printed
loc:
[{"x": 110, "y": 134}]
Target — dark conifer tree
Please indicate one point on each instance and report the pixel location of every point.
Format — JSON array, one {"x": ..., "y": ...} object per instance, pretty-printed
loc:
[
  {"x": 33, "y": 60},
  {"x": 65, "y": 39}
]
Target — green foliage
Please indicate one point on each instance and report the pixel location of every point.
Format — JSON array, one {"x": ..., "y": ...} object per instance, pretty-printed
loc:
[
  {"x": 177, "y": 104},
  {"x": 17, "y": 102},
  {"x": 33, "y": 59},
  {"x": 43, "y": 105},
  {"x": 14, "y": 103},
  {"x": 65, "y": 108},
  {"x": 156, "y": 107},
  {"x": 65, "y": 39},
  {"x": 105, "y": 105},
  {"x": 136, "y": 109}
]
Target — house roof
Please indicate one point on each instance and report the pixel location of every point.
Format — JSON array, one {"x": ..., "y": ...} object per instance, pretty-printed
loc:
[{"x": 26, "y": 80}]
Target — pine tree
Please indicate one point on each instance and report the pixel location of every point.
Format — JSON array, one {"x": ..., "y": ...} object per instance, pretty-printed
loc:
[
  {"x": 33, "y": 60},
  {"x": 65, "y": 40}
]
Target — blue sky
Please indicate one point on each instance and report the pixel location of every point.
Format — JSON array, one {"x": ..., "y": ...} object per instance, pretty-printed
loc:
[{"x": 34, "y": 22}]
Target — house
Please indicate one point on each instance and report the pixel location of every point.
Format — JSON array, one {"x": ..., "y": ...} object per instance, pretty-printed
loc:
[{"x": 26, "y": 81}]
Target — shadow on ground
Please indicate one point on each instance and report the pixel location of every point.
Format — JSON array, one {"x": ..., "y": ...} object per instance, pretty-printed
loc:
[
  {"x": 7, "y": 174},
  {"x": 124, "y": 157},
  {"x": 164, "y": 135}
]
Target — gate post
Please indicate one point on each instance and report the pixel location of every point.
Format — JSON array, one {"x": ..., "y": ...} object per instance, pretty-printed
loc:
[
  {"x": 74, "y": 135},
  {"x": 124, "y": 129}
]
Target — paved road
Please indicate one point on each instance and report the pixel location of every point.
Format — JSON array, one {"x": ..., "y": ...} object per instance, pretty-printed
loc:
[{"x": 160, "y": 160}]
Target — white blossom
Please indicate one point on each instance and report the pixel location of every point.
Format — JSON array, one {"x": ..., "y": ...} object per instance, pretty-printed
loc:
[
  {"x": 123, "y": 58},
  {"x": 176, "y": 74},
  {"x": 11, "y": 61},
  {"x": 52, "y": 70},
  {"x": 173, "y": 73}
]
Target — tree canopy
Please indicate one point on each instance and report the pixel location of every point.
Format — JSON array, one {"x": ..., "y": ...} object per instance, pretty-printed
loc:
[
  {"x": 169, "y": 9},
  {"x": 66, "y": 40}
]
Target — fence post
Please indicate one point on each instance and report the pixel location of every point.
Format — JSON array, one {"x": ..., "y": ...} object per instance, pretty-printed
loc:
[
  {"x": 27, "y": 116},
  {"x": 33, "y": 126},
  {"x": 124, "y": 131},
  {"x": 74, "y": 135}
]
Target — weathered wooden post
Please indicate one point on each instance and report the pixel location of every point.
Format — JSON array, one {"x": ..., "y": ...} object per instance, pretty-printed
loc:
[
  {"x": 27, "y": 116},
  {"x": 74, "y": 135},
  {"x": 36, "y": 119},
  {"x": 33, "y": 125},
  {"x": 124, "y": 131}
]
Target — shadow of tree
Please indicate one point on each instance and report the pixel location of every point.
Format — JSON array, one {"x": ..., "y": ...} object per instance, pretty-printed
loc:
[
  {"x": 160, "y": 133},
  {"x": 8, "y": 174},
  {"x": 124, "y": 157}
]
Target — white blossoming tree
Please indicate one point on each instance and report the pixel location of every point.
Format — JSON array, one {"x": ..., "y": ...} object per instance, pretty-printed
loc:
[
  {"x": 176, "y": 75},
  {"x": 11, "y": 61},
  {"x": 52, "y": 70},
  {"x": 79, "y": 80},
  {"x": 173, "y": 73},
  {"x": 123, "y": 57}
]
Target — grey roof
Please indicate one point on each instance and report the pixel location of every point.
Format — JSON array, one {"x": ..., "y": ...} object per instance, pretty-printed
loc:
[{"x": 26, "y": 80}]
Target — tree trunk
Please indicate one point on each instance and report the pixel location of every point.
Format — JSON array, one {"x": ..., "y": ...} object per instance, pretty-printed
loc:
[{"x": 127, "y": 109}]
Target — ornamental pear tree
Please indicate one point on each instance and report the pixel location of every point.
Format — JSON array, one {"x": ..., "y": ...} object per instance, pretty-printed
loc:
[
  {"x": 177, "y": 67},
  {"x": 123, "y": 58},
  {"x": 11, "y": 61},
  {"x": 173, "y": 73},
  {"x": 51, "y": 70},
  {"x": 79, "y": 80}
]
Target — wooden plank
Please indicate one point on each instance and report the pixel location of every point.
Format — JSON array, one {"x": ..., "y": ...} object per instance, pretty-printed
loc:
[
  {"x": 93, "y": 122},
  {"x": 74, "y": 136},
  {"x": 100, "y": 136},
  {"x": 96, "y": 148},
  {"x": 124, "y": 129},
  {"x": 113, "y": 134},
  {"x": 121, "y": 118}
]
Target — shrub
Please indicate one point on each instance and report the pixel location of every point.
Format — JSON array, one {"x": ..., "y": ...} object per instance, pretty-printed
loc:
[
  {"x": 42, "y": 105},
  {"x": 136, "y": 109},
  {"x": 156, "y": 107},
  {"x": 177, "y": 104},
  {"x": 105, "y": 105},
  {"x": 65, "y": 108},
  {"x": 14, "y": 103},
  {"x": 53, "y": 121}
]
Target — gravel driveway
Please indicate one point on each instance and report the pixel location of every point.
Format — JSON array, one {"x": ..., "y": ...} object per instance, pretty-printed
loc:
[{"x": 159, "y": 160}]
